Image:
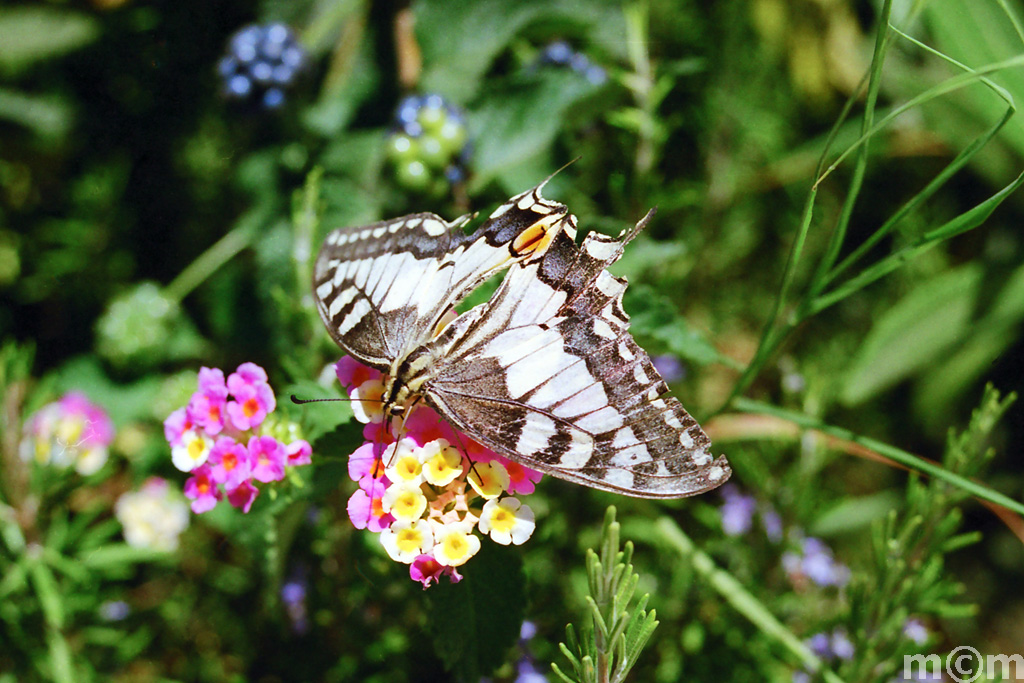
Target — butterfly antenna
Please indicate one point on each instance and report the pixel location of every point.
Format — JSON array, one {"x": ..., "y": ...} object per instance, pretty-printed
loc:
[{"x": 302, "y": 401}]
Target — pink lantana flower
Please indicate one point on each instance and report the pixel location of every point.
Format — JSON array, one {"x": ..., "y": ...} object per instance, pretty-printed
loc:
[
  {"x": 208, "y": 404},
  {"x": 298, "y": 453},
  {"x": 427, "y": 570},
  {"x": 230, "y": 463},
  {"x": 365, "y": 462},
  {"x": 352, "y": 373},
  {"x": 521, "y": 479},
  {"x": 266, "y": 457},
  {"x": 175, "y": 426},
  {"x": 243, "y": 495},
  {"x": 202, "y": 489},
  {"x": 424, "y": 425},
  {"x": 253, "y": 397},
  {"x": 366, "y": 509}
]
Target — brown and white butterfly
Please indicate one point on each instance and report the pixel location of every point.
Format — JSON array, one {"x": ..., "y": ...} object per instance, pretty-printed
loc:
[{"x": 545, "y": 373}]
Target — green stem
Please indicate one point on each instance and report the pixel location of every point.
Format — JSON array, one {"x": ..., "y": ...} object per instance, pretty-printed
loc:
[
  {"x": 733, "y": 592},
  {"x": 212, "y": 259},
  {"x": 902, "y": 457}
]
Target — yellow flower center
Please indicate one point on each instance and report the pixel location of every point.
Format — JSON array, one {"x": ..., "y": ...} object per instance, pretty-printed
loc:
[
  {"x": 455, "y": 545},
  {"x": 196, "y": 449},
  {"x": 408, "y": 540},
  {"x": 408, "y": 467},
  {"x": 502, "y": 519}
]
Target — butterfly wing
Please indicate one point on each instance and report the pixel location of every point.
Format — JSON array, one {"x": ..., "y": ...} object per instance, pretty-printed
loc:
[
  {"x": 548, "y": 375},
  {"x": 381, "y": 289}
]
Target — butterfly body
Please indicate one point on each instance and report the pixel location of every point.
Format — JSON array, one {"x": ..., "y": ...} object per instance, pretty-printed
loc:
[{"x": 545, "y": 373}]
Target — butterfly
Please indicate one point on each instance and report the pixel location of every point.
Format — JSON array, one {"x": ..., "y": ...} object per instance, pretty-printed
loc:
[{"x": 545, "y": 373}]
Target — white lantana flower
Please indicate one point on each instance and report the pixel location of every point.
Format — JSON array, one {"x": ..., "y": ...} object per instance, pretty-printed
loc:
[
  {"x": 153, "y": 517},
  {"x": 507, "y": 521}
]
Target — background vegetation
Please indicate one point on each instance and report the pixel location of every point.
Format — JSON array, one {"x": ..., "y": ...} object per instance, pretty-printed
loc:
[{"x": 836, "y": 262}]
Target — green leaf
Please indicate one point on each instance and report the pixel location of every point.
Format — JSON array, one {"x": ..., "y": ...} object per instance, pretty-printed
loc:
[
  {"x": 977, "y": 33},
  {"x": 316, "y": 419},
  {"x": 34, "y": 33},
  {"x": 475, "y": 622},
  {"x": 654, "y": 316},
  {"x": 47, "y": 115},
  {"x": 123, "y": 402},
  {"x": 460, "y": 40},
  {"x": 117, "y": 555},
  {"x": 851, "y": 514},
  {"x": 517, "y": 122},
  {"x": 912, "y": 334}
]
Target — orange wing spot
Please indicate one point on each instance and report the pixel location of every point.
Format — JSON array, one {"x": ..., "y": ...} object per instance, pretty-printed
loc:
[{"x": 536, "y": 238}]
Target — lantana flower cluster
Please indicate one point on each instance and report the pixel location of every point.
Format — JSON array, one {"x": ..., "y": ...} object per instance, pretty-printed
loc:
[
  {"x": 153, "y": 517},
  {"x": 225, "y": 441},
  {"x": 426, "y": 488},
  {"x": 71, "y": 432}
]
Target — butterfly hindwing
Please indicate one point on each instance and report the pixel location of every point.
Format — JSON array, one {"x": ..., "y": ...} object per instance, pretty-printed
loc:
[
  {"x": 382, "y": 288},
  {"x": 547, "y": 374}
]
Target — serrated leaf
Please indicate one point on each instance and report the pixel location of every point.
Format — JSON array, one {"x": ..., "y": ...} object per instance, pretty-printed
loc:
[
  {"x": 473, "y": 623},
  {"x": 912, "y": 334},
  {"x": 34, "y": 33}
]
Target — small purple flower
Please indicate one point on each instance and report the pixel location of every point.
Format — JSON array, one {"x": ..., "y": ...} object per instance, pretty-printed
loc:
[
  {"x": 772, "y": 524},
  {"x": 669, "y": 367},
  {"x": 820, "y": 567},
  {"x": 841, "y": 645},
  {"x": 114, "y": 610},
  {"x": 737, "y": 511},
  {"x": 527, "y": 672},
  {"x": 820, "y": 645},
  {"x": 293, "y": 595},
  {"x": 915, "y": 630}
]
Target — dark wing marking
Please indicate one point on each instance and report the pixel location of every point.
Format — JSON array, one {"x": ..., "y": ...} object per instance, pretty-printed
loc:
[
  {"x": 382, "y": 288},
  {"x": 547, "y": 374}
]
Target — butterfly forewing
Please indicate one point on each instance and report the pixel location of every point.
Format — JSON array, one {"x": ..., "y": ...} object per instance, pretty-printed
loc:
[
  {"x": 382, "y": 288},
  {"x": 547, "y": 374}
]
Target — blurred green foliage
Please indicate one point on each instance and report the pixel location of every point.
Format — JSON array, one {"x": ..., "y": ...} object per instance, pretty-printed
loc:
[{"x": 148, "y": 227}]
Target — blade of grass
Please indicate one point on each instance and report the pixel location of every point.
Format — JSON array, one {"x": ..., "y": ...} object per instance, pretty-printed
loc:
[
  {"x": 961, "y": 160},
  {"x": 902, "y": 457},
  {"x": 733, "y": 592},
  {"x": 962, "y": 223},
  {"x": 951, "y": 84},
  {"x": 838, "y": 236}
]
